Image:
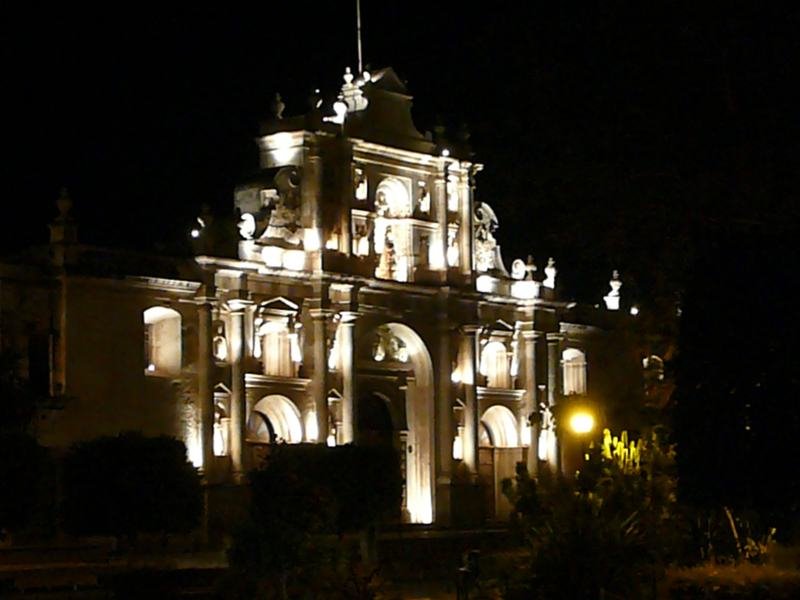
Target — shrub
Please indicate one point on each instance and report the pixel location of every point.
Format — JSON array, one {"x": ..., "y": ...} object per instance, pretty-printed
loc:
[
  {"x": 130, "y": 484},
  {"x": 303, "y": 500},
  {"x": 610, "y": 530}
]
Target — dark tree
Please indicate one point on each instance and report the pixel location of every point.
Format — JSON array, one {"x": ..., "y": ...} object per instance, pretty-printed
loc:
[
  {"x": 130, "y": 484},
  {"x": 737, "y": 423},
  {"x": 24, "y": 474},
  {"x": 24, "y": 464}
]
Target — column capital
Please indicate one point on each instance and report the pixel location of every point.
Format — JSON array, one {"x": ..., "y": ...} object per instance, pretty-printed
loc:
[
  {"x": 238, "y": 305},
  {"x": 471, "y": 329},
  {"x": 205, "y": 301},
  {"x": 349, "y": 317},
  {"x": 555, "y": 337},
  {"x": 321, "y": 314},
  {"x": 530, "y": 335}
]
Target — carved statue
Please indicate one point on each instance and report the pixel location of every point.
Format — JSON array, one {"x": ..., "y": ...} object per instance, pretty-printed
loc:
[
  {"x": 389, "y": 255},
  {"x": 284, "y": 219},
  {"x": 485, "y": 243}
]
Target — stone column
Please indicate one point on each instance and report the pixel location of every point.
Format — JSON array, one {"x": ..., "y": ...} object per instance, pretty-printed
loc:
[
  {"x": 531, "y": 406},
  {"x": 554, "y": 386},
  {"x": 319, "y": 378},
  {"x": 205, "y": 386},
  {"x": 347, "y": 352},
  {"x": 472, "y": 417},
  {"x": 238, "y": 416},
  {"x": 444, "y": 430}
]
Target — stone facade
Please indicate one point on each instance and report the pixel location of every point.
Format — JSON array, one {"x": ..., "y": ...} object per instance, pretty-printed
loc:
[{"x": 368, "y": 303}]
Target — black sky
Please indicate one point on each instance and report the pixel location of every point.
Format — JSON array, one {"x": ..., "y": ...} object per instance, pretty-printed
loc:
[{"x": 603, "y": 126}]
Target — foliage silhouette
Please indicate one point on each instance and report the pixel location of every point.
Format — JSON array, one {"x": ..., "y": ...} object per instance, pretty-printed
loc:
[
  {"x": 130, "y": 484},
  {"x": 303, "y": 501}
]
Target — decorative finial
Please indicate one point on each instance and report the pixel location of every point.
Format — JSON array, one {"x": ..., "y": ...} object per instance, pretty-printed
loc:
[
  {"x": 348, "y": 76},
  {"x": 530, "y": 268},
  {"x": 277, "y": 107},
  {"x": 612, "y": 299},
  {"x": 518, "y": 269},
  {"x": 550, "y": 272}
]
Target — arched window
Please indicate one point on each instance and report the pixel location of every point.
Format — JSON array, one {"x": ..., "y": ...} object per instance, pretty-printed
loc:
[
  {"x": 162, "y": 341},
  {"x": 499, "y": 428},
  {"x": 392, "y": 199},
  {"x": 495, "y": 365},
  {"x": 574, "y": 371},
  {"x": 275, "y": 419}
]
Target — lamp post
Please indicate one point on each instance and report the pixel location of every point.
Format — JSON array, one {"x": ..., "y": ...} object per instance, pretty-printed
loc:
[{"x": 576, "y": 422}]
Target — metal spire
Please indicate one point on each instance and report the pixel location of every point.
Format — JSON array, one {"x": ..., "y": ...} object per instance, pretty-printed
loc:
[{"x": 358, "y": 35}]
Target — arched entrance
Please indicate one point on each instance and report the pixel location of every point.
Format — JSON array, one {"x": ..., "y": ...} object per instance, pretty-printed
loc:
[
  {"x": 396, "y": 405},
  {"x": 375, "y": 426},
  {"x": 499, "y": 454},
  {"x": 275, "y": 419}
]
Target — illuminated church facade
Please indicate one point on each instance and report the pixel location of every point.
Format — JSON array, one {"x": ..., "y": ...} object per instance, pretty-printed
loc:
[{"x": 368, "y": 303}]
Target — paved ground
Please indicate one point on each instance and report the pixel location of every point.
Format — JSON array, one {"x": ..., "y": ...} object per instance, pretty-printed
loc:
[
  {"x": 420, "y": 563},
  {"x": 422, "y": 591}
]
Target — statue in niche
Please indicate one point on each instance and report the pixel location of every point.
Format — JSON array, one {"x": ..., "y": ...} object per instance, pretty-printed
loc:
[
  {"x": 424, "y": 251},
  {"x": 283, "y": 223},
  {"x": 452, "y": 248},
  {"x": 424, "y": 198},
  {"x": 392, "y": 199},
  {"x": 360, "y": 184},
  {"x": 220, "y": 344},
  {"x": 485, "y": 243},
  {"x": 361, "y": 240},
  {"x": 388, "y": 259}
]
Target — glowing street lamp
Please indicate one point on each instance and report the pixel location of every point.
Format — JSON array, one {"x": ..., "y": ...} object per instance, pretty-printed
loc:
[{"x": 581, "y": 422}]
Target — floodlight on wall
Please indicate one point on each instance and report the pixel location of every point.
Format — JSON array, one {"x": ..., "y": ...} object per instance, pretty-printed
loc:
[
  {"x": 312, "y": 429},
  {"x": 311, "y": 240},
  {"x": 458, "y": 445}
]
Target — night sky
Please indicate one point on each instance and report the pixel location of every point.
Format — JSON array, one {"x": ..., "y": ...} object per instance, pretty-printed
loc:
[{"x": 613, "y": 134}]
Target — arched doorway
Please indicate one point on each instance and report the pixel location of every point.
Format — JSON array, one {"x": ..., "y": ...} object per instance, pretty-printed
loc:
[
  {"x": 499, "y": 453},
  {"x": 396, "y": 406},
  {"x": 275, "y": 419},
  {"x": 375, "y": 425}
]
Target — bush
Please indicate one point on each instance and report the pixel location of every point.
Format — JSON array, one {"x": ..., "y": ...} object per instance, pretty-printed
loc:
[
  {"x": 130, "y": 484},
  {"x": 611, "y": 530},
  {"x": 303, "y": 500}
]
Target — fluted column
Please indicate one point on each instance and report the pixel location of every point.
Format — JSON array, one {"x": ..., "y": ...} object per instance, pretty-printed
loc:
[
  {"x": 319, "y": 378},
  {"x": 347, "y": 351},
  {"x": 205, "y": 386},
  {"x": 531, "y": 409},
  {"x": 238, "y": 416},
  {"x": 554, "y": 385},
  {"x": 471, "y": 410}
]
